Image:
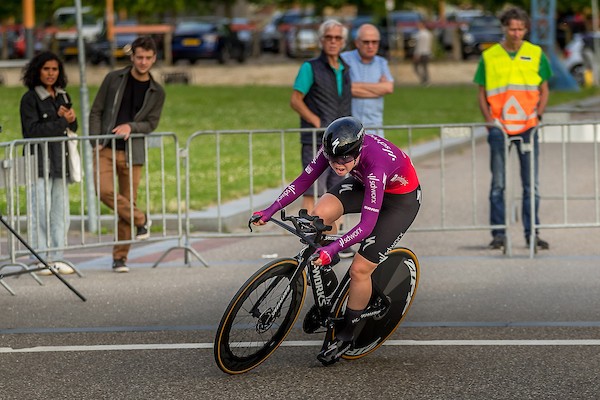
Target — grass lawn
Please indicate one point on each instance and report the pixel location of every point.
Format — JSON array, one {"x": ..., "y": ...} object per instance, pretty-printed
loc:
[{"x": 198, "y": 108}]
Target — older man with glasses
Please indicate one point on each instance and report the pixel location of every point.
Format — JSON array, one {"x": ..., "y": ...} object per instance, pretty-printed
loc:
[
  {"x": 371, "y": 78},
  {"x": 321, "y": 95}
]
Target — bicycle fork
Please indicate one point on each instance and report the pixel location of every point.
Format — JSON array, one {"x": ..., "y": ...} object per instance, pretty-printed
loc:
[{"x": 266, "y": 317}]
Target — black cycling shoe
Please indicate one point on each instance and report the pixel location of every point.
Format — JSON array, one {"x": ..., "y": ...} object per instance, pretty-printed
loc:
[{"x": 334, "y": 351}]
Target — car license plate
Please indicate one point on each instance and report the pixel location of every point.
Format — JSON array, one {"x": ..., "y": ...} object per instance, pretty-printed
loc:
[
  {"x": 484, "y": 46},
  {"x": 71, "y": 51},
  {"x": 119, "y": 53},
  {"x": 190, "y": 42}
]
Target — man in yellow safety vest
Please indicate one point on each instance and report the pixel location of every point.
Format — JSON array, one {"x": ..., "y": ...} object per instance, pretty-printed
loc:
[{"x": 513, "y": 92}]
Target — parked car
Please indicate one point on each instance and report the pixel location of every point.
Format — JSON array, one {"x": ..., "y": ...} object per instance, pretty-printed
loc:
[
  {"x": 579, "y": 55},
  {"x": 210, "y": 38},
  {"x": 245, "y": 31},
  {"x": 275, "y": 31},
  {"x": 479, "y": 34},
  {"x": 64, "y": 20},
  {"x": 99, "y": 51},
  {"x": 302, "y": 39}
]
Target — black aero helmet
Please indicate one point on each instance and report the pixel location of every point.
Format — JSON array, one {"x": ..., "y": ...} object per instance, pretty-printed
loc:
[{"x": 343, "y": 139}]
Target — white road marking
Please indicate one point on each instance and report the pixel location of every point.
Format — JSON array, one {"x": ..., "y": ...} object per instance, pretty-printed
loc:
[{"x": 305, "y": 343}]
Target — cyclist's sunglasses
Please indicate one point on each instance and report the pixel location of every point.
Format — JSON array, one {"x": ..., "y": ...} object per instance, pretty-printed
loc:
[{"x": 342, "y": 160}]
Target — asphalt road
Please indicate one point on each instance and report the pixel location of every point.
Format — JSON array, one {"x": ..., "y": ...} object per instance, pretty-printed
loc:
[{"x": 483, "y": 326}]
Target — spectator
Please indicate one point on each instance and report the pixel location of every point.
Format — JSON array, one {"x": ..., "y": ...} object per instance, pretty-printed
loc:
[
  {"x": 422, "y": 53},
  {"x": 129, "y": 101},
  {"x": 371, "y": 78},
  {"x": 513, "y": 92},
  {"x": 46, "y": 112},
  {"x": 321, "y": 94}
]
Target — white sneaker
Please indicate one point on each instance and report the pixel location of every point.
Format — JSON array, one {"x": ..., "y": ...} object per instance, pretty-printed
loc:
[
  {"x": 45, "y": 271},
  {"x": 58, "y": 266},
  {"x": 63, "y": 268}
]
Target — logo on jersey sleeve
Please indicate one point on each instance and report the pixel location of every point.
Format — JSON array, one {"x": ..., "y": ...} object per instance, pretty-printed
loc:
[
  {"x": 290, "y": 190},
  {"x": 350, "y": 236},
  {"x": 385, "y": 147},
  {"x": 399, "y": 178},
  {"x": 373, "y": 187}
]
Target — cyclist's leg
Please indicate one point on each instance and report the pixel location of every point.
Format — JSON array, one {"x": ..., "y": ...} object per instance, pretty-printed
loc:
[
  {"x": 396, "y": 215},
  {"x": 360, "y": 282},
  {"x": 359, "y": 296},
  {"x": 346, "y": 197},
  {"x": 343, "y": 198},
  {"x": 329, "y": 208},
  {"x": 395, "y": 284}
]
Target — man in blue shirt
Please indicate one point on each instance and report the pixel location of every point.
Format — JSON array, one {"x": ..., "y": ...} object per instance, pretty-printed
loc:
[{"x": 370, "y": 76}]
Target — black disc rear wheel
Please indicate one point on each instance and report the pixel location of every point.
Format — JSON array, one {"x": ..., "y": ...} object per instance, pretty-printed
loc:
[
  {"x": 259, "y": 317},
  {"x": 398, "y": 278}
]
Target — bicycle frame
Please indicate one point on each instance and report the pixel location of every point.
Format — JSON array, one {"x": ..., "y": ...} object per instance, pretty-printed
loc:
[
  {"x": 315, "y": 273},
  {"x": 265, "y": 308}
]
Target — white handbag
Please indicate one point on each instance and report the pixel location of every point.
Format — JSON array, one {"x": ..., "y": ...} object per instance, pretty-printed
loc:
[{"x": 75, "y": 171}]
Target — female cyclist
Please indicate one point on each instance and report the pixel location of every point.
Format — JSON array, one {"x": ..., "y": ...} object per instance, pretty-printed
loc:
[{"x": 382, "y": 186}]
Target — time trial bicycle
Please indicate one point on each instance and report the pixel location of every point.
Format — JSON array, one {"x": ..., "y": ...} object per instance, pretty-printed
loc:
[{"x": 264, "y": 310}]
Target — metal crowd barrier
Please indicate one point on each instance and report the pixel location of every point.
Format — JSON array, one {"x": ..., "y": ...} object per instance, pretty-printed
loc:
[
  {"x": 469, "y": 187},
  {"x": 280, "y": 149},
  {"x": 569, "y": 175},
  {"x": 20, "y": 173},
  {"x": 208, "y": 154}
]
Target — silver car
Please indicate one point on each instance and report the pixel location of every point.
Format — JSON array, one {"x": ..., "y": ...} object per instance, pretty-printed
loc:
[{"x": 579, "y": 57}]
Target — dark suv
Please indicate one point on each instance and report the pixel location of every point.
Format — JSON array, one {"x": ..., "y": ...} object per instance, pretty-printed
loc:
[
  {"x": 207, "y": 38},
  {"x": 479, "y": 34}
]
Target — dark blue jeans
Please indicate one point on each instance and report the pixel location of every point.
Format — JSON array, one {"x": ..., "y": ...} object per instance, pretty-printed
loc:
[{"x": 523, "y": 143}]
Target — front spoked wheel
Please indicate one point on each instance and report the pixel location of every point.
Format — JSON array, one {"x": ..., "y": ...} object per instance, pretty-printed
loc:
[
  {"x": 397, "y": 277},
  {"x": 260, "y": 316}
]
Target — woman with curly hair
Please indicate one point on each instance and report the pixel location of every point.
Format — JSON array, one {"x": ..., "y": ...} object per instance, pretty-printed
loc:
[{"x": 46, "y": 112}]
